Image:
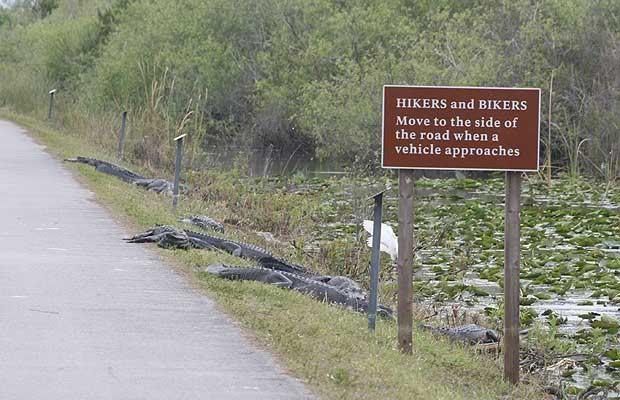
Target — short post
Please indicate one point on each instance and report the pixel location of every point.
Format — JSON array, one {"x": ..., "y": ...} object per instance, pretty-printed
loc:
[
  {"x": 121, "y": 139},
  {"x": 49, "y": 111},
  {"x": 177, "y": 170},
  {"x": 375, "y": 259},
  {"x": 405, "y": 260},
  {"x": 511, "y": 276}
]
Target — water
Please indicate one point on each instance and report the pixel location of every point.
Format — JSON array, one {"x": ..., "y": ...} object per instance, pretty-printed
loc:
[{"x": 569, "y": 237}]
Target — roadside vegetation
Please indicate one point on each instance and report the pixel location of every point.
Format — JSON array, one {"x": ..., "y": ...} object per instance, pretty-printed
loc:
[
  {"x": 269, "y": 91},
  {"x": 328, "y": 347}
]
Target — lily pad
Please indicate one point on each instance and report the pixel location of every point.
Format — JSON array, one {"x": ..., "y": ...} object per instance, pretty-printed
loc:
[
  {"x": 613, "y": 354},
  {"x": 543, "y": 296},
  {"x": 589, "y": 316},
  {"x": 476, "y": 291},
  {"x": 607, "y": 323},
  {"x": 528, "y": 301},
  {"x": 602, "y": 383}
]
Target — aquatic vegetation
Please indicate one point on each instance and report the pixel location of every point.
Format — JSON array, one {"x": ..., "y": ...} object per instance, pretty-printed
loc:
[{"x": 570, "y": 257}]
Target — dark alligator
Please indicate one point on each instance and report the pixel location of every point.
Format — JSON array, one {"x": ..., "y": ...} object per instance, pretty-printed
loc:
[
  {"x": 246, "y": 250},
  {"x": 300, "y": 283},
  {"x": 203, "y": 222},
  {"x": 347, "y": 285},
  {"x": 471, "y": 334},
  {"x": 155, "y": 185},
  {"x": 205, "y": 241},
  {"x": 108, "y": 168},
  {"x": 170, "y": 237},
  {"x": 165, "y": 236},
  {"x": 335, "y": 289}
]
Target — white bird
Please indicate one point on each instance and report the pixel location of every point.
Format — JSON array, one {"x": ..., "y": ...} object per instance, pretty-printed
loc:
[{"x": 389, "y": 241}]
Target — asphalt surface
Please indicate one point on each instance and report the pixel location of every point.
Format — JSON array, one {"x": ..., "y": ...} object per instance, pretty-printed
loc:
[{"x": 84, "y": 315}]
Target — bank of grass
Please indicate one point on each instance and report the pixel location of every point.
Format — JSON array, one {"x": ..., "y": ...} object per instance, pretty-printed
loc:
[{"x": 327, "y": 347}]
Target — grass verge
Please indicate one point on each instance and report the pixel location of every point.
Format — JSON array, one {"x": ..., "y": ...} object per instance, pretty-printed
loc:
[{"x": 327, "y": 347}]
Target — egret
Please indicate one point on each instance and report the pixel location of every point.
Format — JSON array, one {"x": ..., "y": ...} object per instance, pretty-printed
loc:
[{"x": 389, "y": 241}]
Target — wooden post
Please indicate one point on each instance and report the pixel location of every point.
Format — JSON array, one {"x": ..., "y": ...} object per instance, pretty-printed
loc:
[
  {"x": 404, "y": 263},
  {"x": 177, "y": 170},
  {"x": 121, "y": 139},
  {"x": 51, "y": 106},
  {"x": 512, "y": 233}
]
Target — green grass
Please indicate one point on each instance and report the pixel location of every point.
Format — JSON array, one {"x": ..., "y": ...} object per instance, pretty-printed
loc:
[{"x": 327, "y": 347}]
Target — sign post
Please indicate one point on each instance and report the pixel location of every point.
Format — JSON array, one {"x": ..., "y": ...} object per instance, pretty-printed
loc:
[
  {"x": 121, "y": 139},
  {"x": 51, "y": 107},
  {"x": 461, "y": 128},
  {"x": 177, "y": 169},
  {"x": 512, "y": 234},
  {"x": 404, "y": 262}
]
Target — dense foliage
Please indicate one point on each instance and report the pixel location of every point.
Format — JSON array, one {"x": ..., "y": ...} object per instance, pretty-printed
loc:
[{"x": 306, "y": 76}]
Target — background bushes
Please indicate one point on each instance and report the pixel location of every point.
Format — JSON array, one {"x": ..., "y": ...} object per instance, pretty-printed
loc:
[{"x": 305, "y": 76}]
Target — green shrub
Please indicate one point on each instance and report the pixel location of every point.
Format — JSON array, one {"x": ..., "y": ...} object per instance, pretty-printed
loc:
[{"x": 306, "y": 76}]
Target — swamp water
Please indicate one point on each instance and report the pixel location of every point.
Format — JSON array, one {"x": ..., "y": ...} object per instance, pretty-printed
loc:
[{"x": 570, "y": 260}]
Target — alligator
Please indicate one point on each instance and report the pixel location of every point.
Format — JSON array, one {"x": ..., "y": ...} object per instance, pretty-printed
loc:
[
  {"x": 268, "y": 260},
  {"x": 343, "y": 283},
  {"x": 165, "y": 236},
  {"x": 209, "y": 242},
  {"x": 155, "y": 185},
  {"x": 185, "y": 239},
  {"x": 470, "y": 334},
  {"x": 300, "y": 283},
  {"x": 245, "y": 250},
  {"x": 203, "y": 222},
  {"x": 108, "y": 168}
]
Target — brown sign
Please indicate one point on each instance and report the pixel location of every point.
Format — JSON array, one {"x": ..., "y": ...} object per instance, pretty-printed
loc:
[{"x": 460, "y": 128}]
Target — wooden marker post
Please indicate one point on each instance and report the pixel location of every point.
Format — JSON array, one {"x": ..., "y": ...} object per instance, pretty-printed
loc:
[
  {"x": 404, "y": 262},
  {"x": 512, "y": 247},
  {"x": 121, "y": 139},
  {"x": 177, "y": 169},
  {"x": 51, "y": 107}
]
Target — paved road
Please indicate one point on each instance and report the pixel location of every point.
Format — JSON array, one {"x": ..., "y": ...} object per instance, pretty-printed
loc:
[{"x": 85, "y": 316}]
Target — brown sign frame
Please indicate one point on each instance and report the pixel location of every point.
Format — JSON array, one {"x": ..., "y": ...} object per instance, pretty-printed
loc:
[{"x": 445, "y": 90}]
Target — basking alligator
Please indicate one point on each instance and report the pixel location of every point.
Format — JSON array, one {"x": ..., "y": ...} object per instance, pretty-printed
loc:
[
  {"x": 108, "y": 168},
  {"x": 471, "y": 334},
  {"x": 165, "y": 236},
  {"x": 244, "y": 250},
  {"x": 155, "y": 185},
  {"x": 203, "y": 222},
  {"x": 168, "y": 236},
  {"x": 342, "y": 283},
  {"x": 333, "y": 289},
  {"x": 303, "y": 284},
  {"x": 209, "y": 242}
]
